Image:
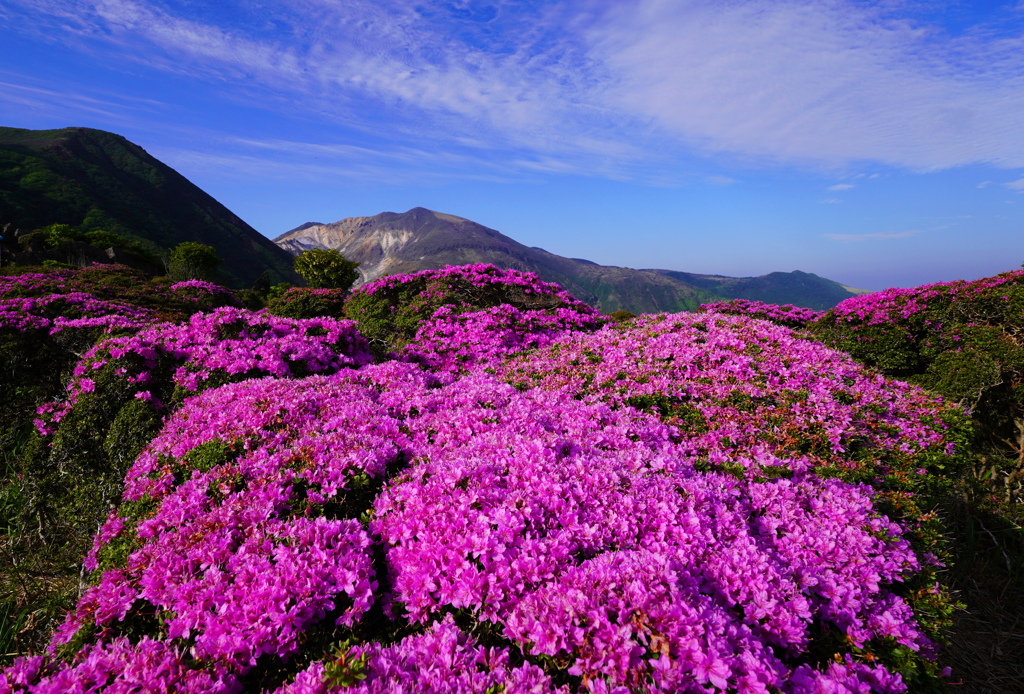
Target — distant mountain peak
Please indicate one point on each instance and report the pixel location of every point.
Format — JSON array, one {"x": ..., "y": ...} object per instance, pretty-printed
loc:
[{"x": 392, "y": 243}]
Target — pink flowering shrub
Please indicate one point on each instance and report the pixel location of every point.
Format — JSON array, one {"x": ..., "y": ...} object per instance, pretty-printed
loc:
[
  {"x": 110, "y": 283},
  {"x": 524, "y": 501},
  {"x": 453, "y": 341},
  {"x": 551, "y": 544},
  {"x": 744, "y": 392},
  {"x": 205, "y": 295},
  {"x": 122, "y": 387},
  {"x": 961, "y": 339},
  {"x": 227, "y": 344},
  {"x": 43, "y": 334},
  {"x": 787, "y": 314},
  {"x": 390, "y": 310},
  {"x": 125, "y": 386},
  {"x": 72, "y": 313}
]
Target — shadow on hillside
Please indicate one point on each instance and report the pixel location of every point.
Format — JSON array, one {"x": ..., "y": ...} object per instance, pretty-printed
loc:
[{"x": 986, "y": 650}]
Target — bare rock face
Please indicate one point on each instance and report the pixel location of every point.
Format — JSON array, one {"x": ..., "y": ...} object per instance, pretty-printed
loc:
[
  {"x": 375, "y": 246},
  {"x": 420, "y": 239},
  {"x": 391, "y": 243}
]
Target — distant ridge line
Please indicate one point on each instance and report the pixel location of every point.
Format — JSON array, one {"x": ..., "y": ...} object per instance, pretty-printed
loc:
[{"x": 420, "y": 239}]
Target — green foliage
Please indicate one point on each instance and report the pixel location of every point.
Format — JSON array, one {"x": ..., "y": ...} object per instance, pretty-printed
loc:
[
  {"x": 343, "y": 669},
  {"x": 324, "y": 268},
  {"x": 57, "y": 265},
  {"x": 12, "y": 619},
  {"x": 299, "y": 302},
  {"x": 135, "y": 424},
  {"x": 390, "y": 316},
  {"x": 59, "y": 234},
  {"x": 255, "y": 298},
  {"x": 277, "y": 290},
  {"x": 193, "y": 261},
  {"x": 621, "y": 316},
  {"x": 207, "y": 456}
]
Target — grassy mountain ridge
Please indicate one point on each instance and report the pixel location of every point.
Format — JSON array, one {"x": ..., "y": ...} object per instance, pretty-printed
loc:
[
  {"x": 392, "y": 243},
  {"x": 92, "y": 179}
]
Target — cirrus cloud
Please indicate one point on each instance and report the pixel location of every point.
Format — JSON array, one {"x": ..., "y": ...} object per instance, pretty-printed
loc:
[{"x": 594, "y": 85}]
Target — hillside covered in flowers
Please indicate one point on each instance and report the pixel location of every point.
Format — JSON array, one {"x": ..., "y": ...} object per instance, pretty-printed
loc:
[{"x": 466, "y": 480}]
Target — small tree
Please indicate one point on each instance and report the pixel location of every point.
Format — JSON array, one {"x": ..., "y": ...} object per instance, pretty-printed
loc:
[
  {"x": 326, "y": 268},
  {"x": 193, "y": 261},
  {"x": 59, "y": 234}
]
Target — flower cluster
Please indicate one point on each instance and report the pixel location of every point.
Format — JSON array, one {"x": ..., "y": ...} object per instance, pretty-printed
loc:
[
  {"x": 522, "y": 503},
  {"x": 205, "y": 295},
  {"x": 233, "y": 551},
  {"x": 452, "y": 341},
  {"x": 120, "y": 284},
  {"x": 576, "y": 533},
  {"x": 741, "y": 391},
  {"x": 892, "y": 305},
  {"x": 391, "y": 310},
  {"x": 226, "y": 344},
  {"x": 481, "y": 275},
  {"x": 787, "y": 314},
  {"x": 63, "y": 311}
]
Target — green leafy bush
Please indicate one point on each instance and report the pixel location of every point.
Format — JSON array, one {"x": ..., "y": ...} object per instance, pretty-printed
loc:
[
  {"x": 326, "y": 268},
  {"x": 193, "y": 261},
  {"x": 300, "y": 302}
]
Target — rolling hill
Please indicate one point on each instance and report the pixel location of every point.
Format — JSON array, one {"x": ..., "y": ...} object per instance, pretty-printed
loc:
[{"x": 92, "y": 179}]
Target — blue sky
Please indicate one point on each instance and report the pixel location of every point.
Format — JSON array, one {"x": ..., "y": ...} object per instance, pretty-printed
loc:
[{"x": 877, "y": 143}]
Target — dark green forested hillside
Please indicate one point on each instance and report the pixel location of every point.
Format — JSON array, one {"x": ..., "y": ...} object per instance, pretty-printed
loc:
[
  {"x": 798, "y": 288},
  {"x": 94, "y": 180}
]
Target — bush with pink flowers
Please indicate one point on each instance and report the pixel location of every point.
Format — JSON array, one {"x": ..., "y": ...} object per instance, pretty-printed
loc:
[
  {"x": 962, "y": 340},
  {"x": 787, "y": 314},
  {"x": 390, "y": 310},
  {"x": 522, "y": 501}
]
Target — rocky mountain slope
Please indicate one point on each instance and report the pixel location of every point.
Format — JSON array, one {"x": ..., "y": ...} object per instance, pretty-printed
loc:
[
  {"x": 92, "y": 179},
  {"x": 391, "y": 243}
]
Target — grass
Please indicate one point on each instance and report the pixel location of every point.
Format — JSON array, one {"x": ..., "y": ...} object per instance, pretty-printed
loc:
[{"x": 39, "y": 576}]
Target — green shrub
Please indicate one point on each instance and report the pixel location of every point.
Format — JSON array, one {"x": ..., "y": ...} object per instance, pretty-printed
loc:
[
  {"x": 193, "y": 261},
  {"x": 300, "y": 302},
  {"x": 325, "y": 268}
]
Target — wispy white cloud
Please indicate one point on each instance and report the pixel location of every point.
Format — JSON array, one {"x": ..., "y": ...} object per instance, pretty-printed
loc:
[
  {"x": 23, "y": 94},
  {"x": 595, "y": 85},
  {"x": 277, "y": 159},
  {"x": 842, "y": 186},
  {"x": 831, "y": 201},
  {"x": 1017, "y": 185},
  {"x": 873, "y": 236},
  {"x": 247, "y": 166},
  {"x": 815, "y": 81}
]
